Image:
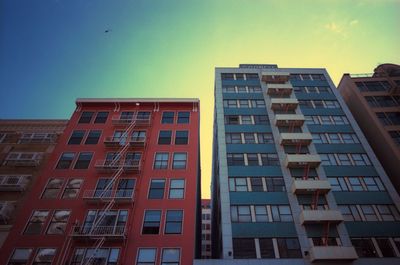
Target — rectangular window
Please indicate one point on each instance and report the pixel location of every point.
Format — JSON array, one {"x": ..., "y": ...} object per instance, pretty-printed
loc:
[
  {"x": 65, "y": 160},
  {"x": 76, "y": 137},
  {"x": 157, "y": 189},
  {"x": 238, "y": 184},
  {"x": 181, "y": 137},
  {"x": 127, "y": 116},
  {"x": 72, "y": 188},
  {"x": 235, "y": 159},
  {"x": 388, "y": 212},
  {"x": 261, "y": 213},
  {"x": 103, "y": 256},
  {"x": 183, "y": 117},
  {"x": 270, "y": 159},
  {"x": 244, "y": 248},
  {"x": 232, "y": 119},
  {"x": 83, "y": 160},
  {"x": 364, "y": 247},
  {"x": 20, "y": 256},
  {"x": 266, "y": 248},
  {"x": 138, "y": 136},
  {"x": 265, "y": 138},
  {"x": 229, "y": 89},
  {"x": 125, "y": 188},
  {"x": 373, "y": 184},
  {"x": 344, "y": 160},
  {"x": 230, "y": 103},
  {"x": 173, "y": 223},
  {"x": 36, "y": 222},
  {"x": 179, "y": 161},
  {"x": 261, "y": 119},
  {"x": 86, "y": 117},
  {"x": 350, "y": 212},
  {"x": 151, "y": 224},
  {"x": 171, "y": 256},
  {"x": 58, "y": 222},
  {"x": 146, "y": 256},
  {"x": 252, "y": 160},
  {"x": 360, "y": 159},
  {"x": 289, "y": 248},
  {"x": 386, "y": 247},
  {"x": 275, "y": 184},
  {"x": 246, "y": 119},
  {"x": 233, "y": 138},
  {"x": 241, "y": 214},
  {"x": 281, "y": 213},
  {"x": 44, "y": 256},
  {"x": 241, "y": 89},
  {"x": 101, "y": 117},
  {"x": 177, "y": 189},
  {"x": 369, "y": 213},
  {"x": 165, "y": 137},
  {"x": 167, "y": 117},
  {"x": 52, "y": 188},
  {"x": 256, "y": 184},
  {"x": 93, "y": 137},
  {"x": 161, "y": 161},
  {"x": 249, "y": 138},
  {"x": 227, "y": 76}
]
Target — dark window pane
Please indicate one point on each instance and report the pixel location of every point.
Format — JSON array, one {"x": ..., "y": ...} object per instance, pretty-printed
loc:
[
  {"x": 165, "y": 137},
  {"x": 266, "y": 248},
  {"x": 93, "y": 137},
  {"x": 65, "y": 160},
  {"x": 183, "y": 117},
  {"x": 76, "y": 137},
  {"x": 167, "y": 117},
  {"x": 244, "y": 248},
  {"x": 86, "y": 117},
  {"x": 83, "y": 160},
  {"x": 181, "y": 137},
  {"x": 101, "y": 117}
]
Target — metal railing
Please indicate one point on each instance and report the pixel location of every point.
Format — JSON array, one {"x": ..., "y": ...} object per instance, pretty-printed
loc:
[
  {"x": 14, "y": 183},
  {"x": 118, "y": 120},
  {"x": 33, "y": 162},
  {"x": 98, "y": 231},
  {"x": 127, "y": 164},
  {"x": 118, "y": 194}
]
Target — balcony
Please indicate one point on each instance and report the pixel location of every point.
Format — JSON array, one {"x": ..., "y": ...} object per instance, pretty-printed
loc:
[
  {"x": 288, "y": 104},
  {"x": 124, "y": 121},
  {"x": 6, "y": 210},
  {"x": 20, "y": 162},
  {"x": 320, "y": 216},
  {"x": 304, "y": 139},
  {"x": 128, "y": 165},
  {"x": 47, "y": 139},
  {"x": 99, "y": 196},
  {"x": 118, "y": 142},
  {"x": 289, "y": 120},
  {"x": 310, "y": 186},
  {"x": 275, "y": 77},
  {"x": 93, "y": 233},
  {"x": 332, "y": 253},
  {"x": 279, "y": 89},
  {"x": 14, "y": 183},
  {"x": 301, "y": 161}
]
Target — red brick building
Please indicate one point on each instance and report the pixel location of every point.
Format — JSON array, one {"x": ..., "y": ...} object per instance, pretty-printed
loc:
[{"x": 121, "y": 187}]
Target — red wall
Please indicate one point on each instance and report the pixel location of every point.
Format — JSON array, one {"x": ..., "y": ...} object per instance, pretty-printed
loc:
[{"x": 79, "y": 207}]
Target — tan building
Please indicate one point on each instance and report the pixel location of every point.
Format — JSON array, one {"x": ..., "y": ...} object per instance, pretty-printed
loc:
[
  {"x": 205, "y": 229},
  {"x": 24, "y": 147},
  {"x": 374, "y": 100}
]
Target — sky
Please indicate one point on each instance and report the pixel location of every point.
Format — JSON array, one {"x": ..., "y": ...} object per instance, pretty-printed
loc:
[{"x": 54, "y": 51}]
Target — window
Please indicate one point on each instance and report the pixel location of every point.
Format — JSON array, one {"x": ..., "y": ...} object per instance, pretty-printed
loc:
[
  {"x": 183, "y": 117},
  {"x": 146, "y": 256},
  {"x": 229, "y": 89},
  {"x": 227, "y": 76},
  {"x": 269, "y": 159},
  {"x": 101, "y": 117},
  {"x": 275, "y": 184},
  {"x": 143, "y": 116},
  {"x": 76, "y": 137},
  {"x": 344, "y": 160},
  {"x": 179, "y": 161},
  {"x": 161, "y": 161},
  {"x": 58, "y": 222},
  {"x": 177, "y": 189},
  {"x": 395, "y": 136},
  {"x": 165, "y": 137},
  {"x": 355, "y": 184},
  {"x": 125, "y": 188},
  {"x": 258, "y": 103},
  {"x": 181, "y": 137},
  {"x": 86, "y": 117},
  {"x": 93, "y": 137},
  {"x": 360, "y": 159},
  {"x": 328, "y": 159},
  {"x": 44, "y": 256},
  {"x": 261, "y": 213},
  {"x": 266, "y": 248},
  {"x": 65, "y": 160},
  {"x": 126, "y": 116},
  {"x": 156, "y": 189},
  {"x": 235, "y": 159},
  {"x": 241, "y": 89},
  {"x": 103, "y": 188},
  {"x": 233, "y": 138},
  {"x": 230, "y": 103},
  {"x": 244, "y": 103},
  {"x": 252, "y": 159},
  {"x": 255, "y": 89},
  {"x": 231, "y": 119},
  {"x": 373, "y": 184},
  {"x": 364, "y": 247},
  {"x": 20, "y": 256},
  {"x": 386, "y": 247},
  {"x": 249, "y": 138},
  {"x": 265, "y": 138},
  {"x": 238, "y": 184},
  {"x": 261, "y": 119},
  {"x": 138, "y": 136},
  {"x": 72, "y": 188},
  {"x": 110, "y": 222},
  {"x": 170, "y": 256},
  {"x": 244, "y": 248},
  {"x": 167, "y": 117},
  {"x": 151, "y": 224},
  {"x": 388, "y": 212},
  {"x": 338, "y": 183},
  {"x": 369, "y": 213},
  {"x": 256, "y": 184},
  {"x": 173, "y": 223},
  {"x": 36, "y": 222},
  {"x": 83, "y": 161},
  {"x": 52, "y": 188},
  {"x": 246, "y": 119},
  {"x": 350, "y": 212},
  {"x": 289, "y": 248},
  {"x": 240, "y": 213},
  {"x": 103, "y": 256},
  {"x": 281, "y": 213},
  {"x": 334, "y": 138}
]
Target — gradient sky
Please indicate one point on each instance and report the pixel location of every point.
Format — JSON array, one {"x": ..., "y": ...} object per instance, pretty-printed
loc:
[{"x": 52, "y": 52}]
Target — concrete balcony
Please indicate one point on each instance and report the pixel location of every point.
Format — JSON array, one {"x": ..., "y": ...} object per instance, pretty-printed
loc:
[
  {"x": 332, "y": 253},
  {"x": 93, "y": 233},
  {"x": 295, "y": 138},
  {"x": 275, "y": 77},
  {"x": 100, "y": 196},
  {"x": 287, "y": 104},
  {"x": 300, "y": 161},
  {"x": 310, "y": 186},
  {"x": 279, "y": 89},
  {"x": 320, "y": 216},
  {"x": 289, "y": 120}
]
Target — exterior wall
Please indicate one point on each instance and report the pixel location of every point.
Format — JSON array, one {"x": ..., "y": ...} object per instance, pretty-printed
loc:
[
  {"x": 223, "y": 198},
  {"x": 206, "y": 229},
  {"x": 12, "y": 133},
  {"x": 387, "y": 151},
  {"x": 134, "y": 239}
]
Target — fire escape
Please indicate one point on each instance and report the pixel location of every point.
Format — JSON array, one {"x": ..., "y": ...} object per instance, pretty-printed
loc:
[
  {"x": 123, "y": 161},
  {"x": 292, "y": 138}
]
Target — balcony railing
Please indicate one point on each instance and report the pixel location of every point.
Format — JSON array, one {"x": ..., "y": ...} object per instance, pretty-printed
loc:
[
  {"x": 139, "y": 121},
  {"x": 13, "y": 183},
  {"x": 310, "y": 186},
  {"x": 284, "y": 103},
  {"x": 320, "y": 216},
  {"x": 279, "y": 89},
  {"x": 19, "y": 162},
  {"x": 295, "y": 138},
  {"x": 289, "y": 119},
  {"x": 118, "y": 141},
  {"x": 301, "y": 161},
  {"x": 275, "y": 77},
  {"x": 128, "y": 165},
  {"x": 119, "y": 195},
  {"x": 39, "y": 140},
  {"x": 88, "y": 232},
  {"x": 332, "y": 253}
]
